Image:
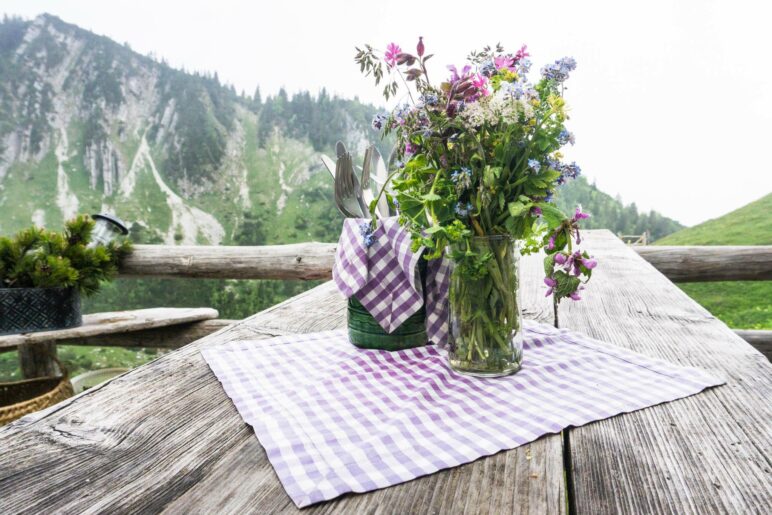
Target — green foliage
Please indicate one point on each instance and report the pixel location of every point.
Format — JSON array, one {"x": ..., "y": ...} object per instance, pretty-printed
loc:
[{"x": 37, "y": 258}]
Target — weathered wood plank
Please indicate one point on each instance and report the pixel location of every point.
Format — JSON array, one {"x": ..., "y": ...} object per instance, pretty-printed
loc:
[
  {"x": 295, "y": 261},
  {"x": 113, "y": 322},
  {"x": 168, "y": 337},
  {"x": 38, "y": 360},
  {"x": 709, "y": 453},
  {"x": 165, "y": 437},
  {"x": 710, "y": 263},
  {"x": 315, "y": 260}
]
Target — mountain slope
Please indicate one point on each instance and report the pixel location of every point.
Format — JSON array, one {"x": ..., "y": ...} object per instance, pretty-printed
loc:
[
  {"x": 88, "y": 125},
  {"x": 742, "y": 305},
  {"x": 748, "y": 225}
]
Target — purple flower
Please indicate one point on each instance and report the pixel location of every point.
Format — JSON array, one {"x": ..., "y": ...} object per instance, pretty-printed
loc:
[
  {"x": 409, "y": 149},
  {"x": 420, "y": 47},
  {"x": 551, "y": 244},
  {"x": 378, "y": 121},
  {"x": 549, "y": 281},
  {"x": 589, "y": 263},
  {"x": 488, "y": 68},
  {"x": 578, "y": 215},
  {"x": 366, "y": 230},
  {"x": 559, "y": 70},
  {"x": 463, "y": 210},
  {"x": 575, "y": 296},
  {"x": 536, "y": 211},
  {"x": 455, "y": 76},
  {"x": 566, "y": 137},
  {"x": 560, "y": 258}
]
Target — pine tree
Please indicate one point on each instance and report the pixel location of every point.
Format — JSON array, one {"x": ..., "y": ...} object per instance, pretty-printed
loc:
[{"x": 37, "y": 258}]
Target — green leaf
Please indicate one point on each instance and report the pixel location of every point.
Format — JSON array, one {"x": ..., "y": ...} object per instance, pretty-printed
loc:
[
  {"x": 552, "y": 215},
  {"x": 549, "y": 264},
  {"x": 517, "y": 208},
  {"x": 434, "y": 229},
  {"x": 429, "y": 197}
]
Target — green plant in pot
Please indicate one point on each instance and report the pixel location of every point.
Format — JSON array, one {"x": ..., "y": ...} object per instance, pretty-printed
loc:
[{"x": 43, "y": 273}]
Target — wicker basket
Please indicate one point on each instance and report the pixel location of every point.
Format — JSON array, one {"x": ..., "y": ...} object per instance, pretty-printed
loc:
[{"x": 21, "y": 398}]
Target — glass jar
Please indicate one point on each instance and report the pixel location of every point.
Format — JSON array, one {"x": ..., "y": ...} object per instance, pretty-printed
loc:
[{"x": 486, "y": 337}]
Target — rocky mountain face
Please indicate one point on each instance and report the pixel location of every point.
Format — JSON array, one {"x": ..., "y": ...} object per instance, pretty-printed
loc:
[{"x": 88, "y": 125}]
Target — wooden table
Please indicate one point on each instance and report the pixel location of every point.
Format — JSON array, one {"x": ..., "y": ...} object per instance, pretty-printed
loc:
[{"x": 165, "y": 437}]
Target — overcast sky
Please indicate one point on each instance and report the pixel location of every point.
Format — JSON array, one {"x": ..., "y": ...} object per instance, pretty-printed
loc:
[{"x": 671, "y": 103}]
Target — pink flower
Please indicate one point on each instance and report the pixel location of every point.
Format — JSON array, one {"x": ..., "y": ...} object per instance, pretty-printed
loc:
[
  {"x": 392, "y": 51},
  {"x": 575, "y": 296},
  {"x": 589, "y": 263},
  {"x": 560, "y": 258},
  {"x": 420, "y": 48},
  {"x": 522, "y": 53},
  {"x": 480, "y": 82},
  {"x": 504, "y": 62},
  {"x": 409, "y": 149}
]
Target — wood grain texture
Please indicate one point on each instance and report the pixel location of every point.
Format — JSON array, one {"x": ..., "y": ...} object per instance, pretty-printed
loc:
[
  {"x": 99, "y": 324},
  {"x": 710, "y": 263},
  {"x": 38, "y": 360},
  {"x": 295, "y": 261},
  {"x": 165, "y": 437},
  {"x": 167, "y": 337},
  {"x": 709, "y": 453}
]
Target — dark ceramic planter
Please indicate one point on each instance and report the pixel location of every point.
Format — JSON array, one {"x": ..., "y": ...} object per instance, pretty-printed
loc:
[{"x": 29, "y": 310}]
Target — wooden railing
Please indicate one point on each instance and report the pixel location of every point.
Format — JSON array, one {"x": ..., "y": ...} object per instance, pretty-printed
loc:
[
  {"x": 314, "y": 261},
  {"x": 307, "y": 261}
]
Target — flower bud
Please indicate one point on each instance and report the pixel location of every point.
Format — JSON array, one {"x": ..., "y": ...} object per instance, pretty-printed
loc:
[{"x": 420, "y": 47}]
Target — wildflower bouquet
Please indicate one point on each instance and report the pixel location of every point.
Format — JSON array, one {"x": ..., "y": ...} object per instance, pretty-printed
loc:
[{"x": 479, "y": 164}]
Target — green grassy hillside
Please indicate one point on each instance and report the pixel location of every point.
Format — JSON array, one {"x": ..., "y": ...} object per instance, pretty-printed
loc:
[
  {"x": 742, "y": 305},
  {"x": 749, "y": 225}
]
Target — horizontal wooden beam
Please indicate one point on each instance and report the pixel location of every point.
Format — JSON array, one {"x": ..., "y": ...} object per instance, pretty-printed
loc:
[
  {"x": 296, "y": 261},
  {"x": 168, "y": 337},
  {"x": 97, "y": 326},
  {"x": 684, "y": 264},
  {"x": 759, "y": 339}
]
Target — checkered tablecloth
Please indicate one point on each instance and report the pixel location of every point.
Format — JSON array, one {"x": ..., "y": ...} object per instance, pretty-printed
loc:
[
  {"x": 384, "y": 278},
  {"x": 334, "y": 418}
]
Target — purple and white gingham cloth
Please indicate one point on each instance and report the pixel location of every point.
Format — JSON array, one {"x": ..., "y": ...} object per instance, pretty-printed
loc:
[
  {"x": 334, "y": 418},
  {"x": 384, "y": 277}
]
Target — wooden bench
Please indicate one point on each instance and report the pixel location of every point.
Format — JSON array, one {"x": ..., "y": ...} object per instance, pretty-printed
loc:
[{"x": 36, "y": 350}]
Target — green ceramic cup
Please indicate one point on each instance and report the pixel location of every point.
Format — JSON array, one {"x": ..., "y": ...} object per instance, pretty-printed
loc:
[{"x": 365, "y": 332}]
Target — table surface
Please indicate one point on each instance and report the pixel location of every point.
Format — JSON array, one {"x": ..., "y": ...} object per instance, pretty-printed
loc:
[{"x": 165, "y": 438}]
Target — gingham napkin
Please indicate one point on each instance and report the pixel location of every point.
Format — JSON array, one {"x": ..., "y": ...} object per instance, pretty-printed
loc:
[
  {"x": 334, "y": 418},
  {"x": 383, "y": 276}
]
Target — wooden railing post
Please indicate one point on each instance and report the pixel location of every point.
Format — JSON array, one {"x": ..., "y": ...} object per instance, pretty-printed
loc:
[{"x": 37, "y": 360}]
